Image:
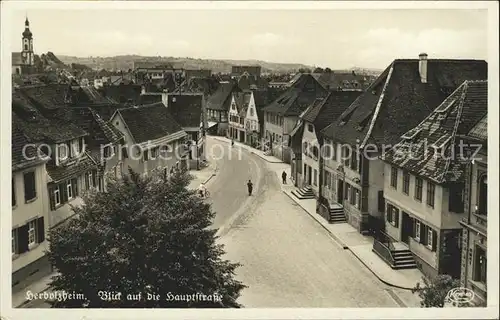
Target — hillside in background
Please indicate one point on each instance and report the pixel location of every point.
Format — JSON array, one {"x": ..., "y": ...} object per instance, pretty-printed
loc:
[{"x": 217, "y": 66}]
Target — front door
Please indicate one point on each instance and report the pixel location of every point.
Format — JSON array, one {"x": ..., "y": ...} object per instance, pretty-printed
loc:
[
  {"x": 309, "y": 175},
  {"x": 407, "y": 228},
  {"x": 340, "y": 191}
]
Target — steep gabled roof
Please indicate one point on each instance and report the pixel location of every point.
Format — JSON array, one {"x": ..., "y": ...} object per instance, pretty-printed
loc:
[
  {"x": 398, "y": 101},
  {"x": 298, "y": 97},
  {"x": 325, "y": 111},
  {"x": 340, "y": 80},
  {"x": 431, "y": 149},
  {"x": 186, "y": 109},
  {"x": 149, "y": 122},
  {"x": 219, "y": 100},
  {"x": 38, "y": 128},
  {"x": 23, "y": 155}
]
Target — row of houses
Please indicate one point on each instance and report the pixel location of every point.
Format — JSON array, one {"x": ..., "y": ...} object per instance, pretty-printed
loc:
[
  {"x": 67, "y": 140},
  {"x": 404, "y": 160}
]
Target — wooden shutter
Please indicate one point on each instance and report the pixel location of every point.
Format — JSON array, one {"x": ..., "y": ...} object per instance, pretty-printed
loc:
[
  {"x": 434, "y": 240},
  {"x": 423, "y": 234},
  {"x": 414, "y": 228},
  {"x": 396, "y": 217},
  {"x": 86, "y": 175},
  {"x": 74, "y": 187},
  {"x": 80, "y": 145},
  {"x": 63, "y": 189},
  {"x": 22, "y": 237},
  {"x": 52, "y": 200},
  {"x": 16, "y": 239},
  {"x": 40, "y": 230},
  {"x": 94, "y": 177}
]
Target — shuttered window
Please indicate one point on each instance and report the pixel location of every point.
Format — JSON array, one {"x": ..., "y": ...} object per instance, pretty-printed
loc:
[
  {"x": 431, "y": 191},
  {"x": 418, "y": 188},
  {"x": 29, "y": 186},
  {"x": 28, "y": 235},
  {"x": 406, "y": 183},
  {"x": 394, "y": 177},
  {"x": 14, "y": 202}
]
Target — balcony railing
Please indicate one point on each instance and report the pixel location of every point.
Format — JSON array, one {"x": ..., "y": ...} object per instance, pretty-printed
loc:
[{"x": 383, "y": 245}]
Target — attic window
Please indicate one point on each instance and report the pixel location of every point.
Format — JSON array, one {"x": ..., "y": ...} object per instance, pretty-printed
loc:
[{"x": 411, "y": 134}]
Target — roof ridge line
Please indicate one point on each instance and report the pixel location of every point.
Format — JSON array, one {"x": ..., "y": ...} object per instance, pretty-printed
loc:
[
  {"x": 377, "y": 108},
  {"x": 455, "y": 126}
]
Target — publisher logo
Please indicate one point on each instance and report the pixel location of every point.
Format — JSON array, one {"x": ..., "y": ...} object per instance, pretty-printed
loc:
[{"x": 458, "y": 297}]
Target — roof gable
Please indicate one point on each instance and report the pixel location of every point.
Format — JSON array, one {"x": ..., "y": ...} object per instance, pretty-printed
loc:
[
  {"x": 150, "y": 122},
  {"x": 397, "y": 101},
  {"x": 433, "y": 144},
  {"x": 186, "y": 109}
]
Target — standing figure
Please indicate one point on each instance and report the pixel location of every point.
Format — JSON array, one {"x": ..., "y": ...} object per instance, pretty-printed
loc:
[
  {"x": 283, "y": 176},
  {"x": 232, "y": 143},
  {"x": 250, "y": 187}
]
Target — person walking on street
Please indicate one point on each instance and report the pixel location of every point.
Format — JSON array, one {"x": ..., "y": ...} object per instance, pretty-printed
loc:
[
  {"x": 250, "y": 187},
  {"x": 283, "y": 176},
  {"x": 232, "y": 143}
]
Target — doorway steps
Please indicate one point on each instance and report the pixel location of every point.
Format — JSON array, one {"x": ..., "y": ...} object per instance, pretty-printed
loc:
[
  {"x": 336, "y": 214},
  {"x": 304, "y": 193},
  {"x": 403, "y": 259}
]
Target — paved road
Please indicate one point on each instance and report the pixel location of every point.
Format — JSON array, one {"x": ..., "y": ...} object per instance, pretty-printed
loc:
[
  {"x": 228, "y": 189},
  {"x": 288, "y": 258}
]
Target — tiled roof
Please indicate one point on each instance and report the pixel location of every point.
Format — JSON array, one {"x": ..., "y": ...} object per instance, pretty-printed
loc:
[
  {"x": 37, "y": 127},
  {"x": 480, "y": 130},
  {"x": 298, "y": 97},
  {"x": 149, "y": 122},
  {"x": 122, "y": 93},
  {"x": 221, "y": 98},
  {"x": 186, "y": 109},
  {"x": 23, "y": 157},
  {"x": 328, "y": 109},
  {"x": 336, "y": 80},
  {"x": 94, "y": 96},
  {"x": 296, "y": 137},
  {"x": 145, "y": 99},
  {"x": 47, "y": 96},
  {"x": 416, "y": 152},
  {"x": 398, "y": 101},
  {"x": 63, "y": 172}
]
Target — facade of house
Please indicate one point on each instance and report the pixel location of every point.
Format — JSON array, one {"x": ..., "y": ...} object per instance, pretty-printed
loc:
[
  {"x": 188, "y": 109},
  {"x": 252, "y": 122},
  {"x": 30, "y": 212},
  {"x": 240, "y": 102},
  {"x": 424, "y": 192},
  {"x": 475, "y": 224},
  {"x": 152, "y": 139},
  {"x": 218, "y": 105},
  {"x": 281, "y": 115},
  {"x": 401, "y": 97},
  {"x": 315, "y": 118}
]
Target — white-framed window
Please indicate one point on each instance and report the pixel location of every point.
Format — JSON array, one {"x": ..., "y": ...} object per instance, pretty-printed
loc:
[
  {"x": 429, "y": 237},
  {"x": 57, "y": 196},
  {"x": 14, "y": 241},
  {"x": 417, "y": 230},
  {"x": 63, "y": 151},
  {"x": 70, "y": 190},
  {"x": 31, "y": 233},
  {"x": 91, "y": 179}
]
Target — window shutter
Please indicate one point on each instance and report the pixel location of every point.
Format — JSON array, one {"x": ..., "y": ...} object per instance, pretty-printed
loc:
[
  {"x": 414, "y": 231},
  {"x": 423, "y": 236},
  {"x": 40, "y": 232},
  {"x": 80, "y": 145},
  {"x": 16, "y": 239},
  {"x": 22, "y": 237},
  {"x": 52, "y": 200},
  {"x": 396, "y": 217},
  {"x": 94, "y": 177},
  {"x": 87, "y": 185},
  {"x": 434, "y": 240},
  {"x": 74, "y": 187},
  {"x": 63, "y": 189}
]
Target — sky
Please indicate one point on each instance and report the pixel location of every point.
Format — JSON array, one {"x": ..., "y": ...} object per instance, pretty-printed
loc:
[{"x": 327, "y": 38}]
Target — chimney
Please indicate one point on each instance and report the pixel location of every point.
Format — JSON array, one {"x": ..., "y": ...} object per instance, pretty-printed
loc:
[{"x": 422, "y": 67}]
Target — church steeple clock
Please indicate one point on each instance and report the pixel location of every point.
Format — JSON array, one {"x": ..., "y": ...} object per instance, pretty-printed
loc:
[{"x": 27, "y": 53}]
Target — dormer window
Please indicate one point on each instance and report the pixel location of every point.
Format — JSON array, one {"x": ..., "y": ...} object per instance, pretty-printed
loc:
[
  {"x": 411, "y": 134},
  {"x": 62, "y": 151}
]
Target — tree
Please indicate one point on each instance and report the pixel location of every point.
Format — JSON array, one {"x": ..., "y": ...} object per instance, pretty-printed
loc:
[
  {"x": 434, "y": 291},
  {"x": 318, "y": 70},
  {"x": 143, "y": 235},
  {"x": 328, "y": 70}
]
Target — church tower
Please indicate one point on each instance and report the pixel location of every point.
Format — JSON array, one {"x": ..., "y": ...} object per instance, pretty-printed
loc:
[{"x": 27, "y": 53}]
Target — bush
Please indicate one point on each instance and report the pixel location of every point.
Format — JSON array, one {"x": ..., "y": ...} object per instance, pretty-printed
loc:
[{"x": 433, "y": 292}]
